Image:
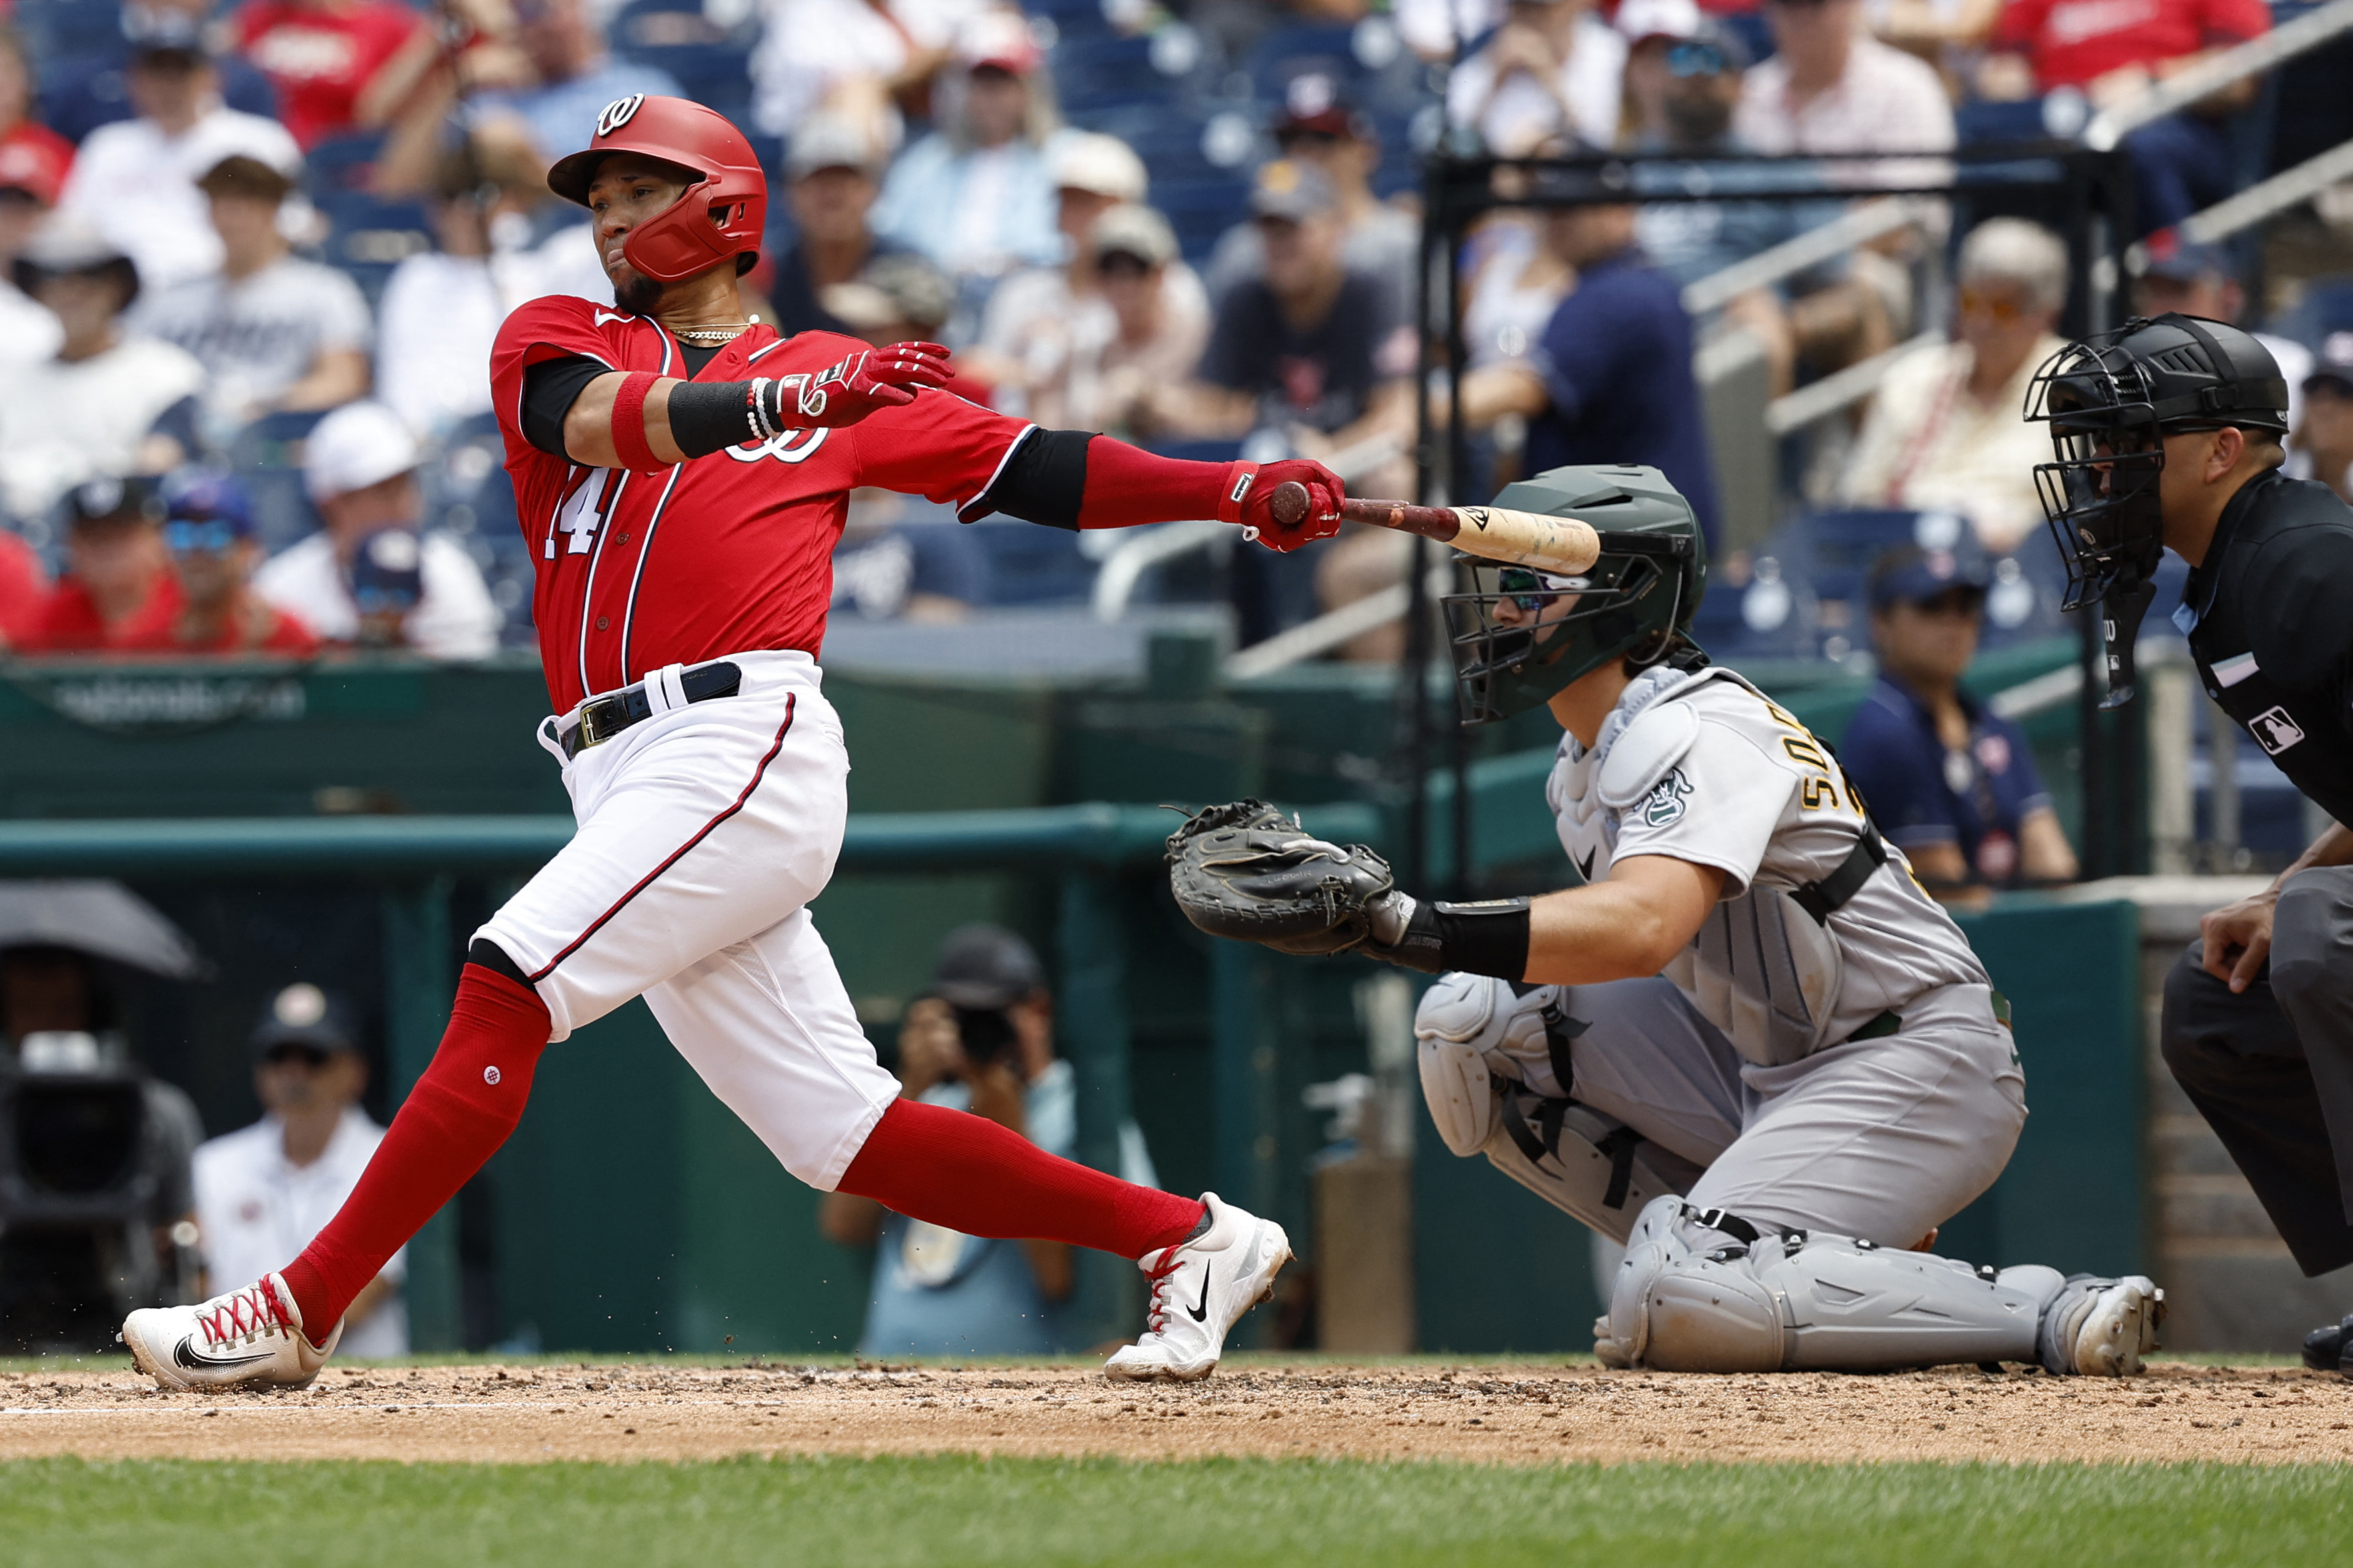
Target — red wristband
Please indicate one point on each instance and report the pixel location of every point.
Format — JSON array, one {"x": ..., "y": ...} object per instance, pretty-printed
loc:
[
  {"x": 629, "y": 422},
  {"x": 1235, "y": 488}
]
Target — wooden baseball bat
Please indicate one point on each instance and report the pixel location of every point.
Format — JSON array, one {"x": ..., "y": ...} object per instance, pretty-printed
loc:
[{"x": 1524, "y": 538}]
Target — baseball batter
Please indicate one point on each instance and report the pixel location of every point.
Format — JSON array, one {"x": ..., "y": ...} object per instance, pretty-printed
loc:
[
  {"x": 682, "y": 476},
  {"x": 1750, "y": 1047}
]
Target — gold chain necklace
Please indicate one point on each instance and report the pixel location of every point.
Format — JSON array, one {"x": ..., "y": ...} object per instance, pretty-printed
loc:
[{"x": 719, "y": 334}]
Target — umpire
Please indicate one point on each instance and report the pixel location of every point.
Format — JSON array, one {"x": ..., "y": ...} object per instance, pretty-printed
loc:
[{"x": 2167, "y": 434}]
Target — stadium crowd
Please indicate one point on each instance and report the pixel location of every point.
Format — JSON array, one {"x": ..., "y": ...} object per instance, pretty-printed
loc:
[{"x": 255, "y": 257}]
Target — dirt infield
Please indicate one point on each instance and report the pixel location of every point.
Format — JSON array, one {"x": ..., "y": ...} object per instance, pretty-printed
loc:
[{"x": 1516, "y": 1413}]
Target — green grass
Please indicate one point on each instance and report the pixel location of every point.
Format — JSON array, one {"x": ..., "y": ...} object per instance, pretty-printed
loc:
[{"x": 927, "y": 1513}]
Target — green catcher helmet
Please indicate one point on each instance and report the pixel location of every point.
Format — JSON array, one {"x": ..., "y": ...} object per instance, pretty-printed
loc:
[{"x": 1520, "y": 636}]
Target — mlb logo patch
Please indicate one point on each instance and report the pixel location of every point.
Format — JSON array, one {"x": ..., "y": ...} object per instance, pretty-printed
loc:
[{"x": 2274, "y": 730}]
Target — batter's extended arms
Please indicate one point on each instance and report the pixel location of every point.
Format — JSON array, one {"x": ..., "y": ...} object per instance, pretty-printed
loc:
[{"x": 1524, "y": 538}]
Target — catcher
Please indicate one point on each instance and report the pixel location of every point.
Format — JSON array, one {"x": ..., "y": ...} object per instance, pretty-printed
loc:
[{"x": 1749, "y": 1047}]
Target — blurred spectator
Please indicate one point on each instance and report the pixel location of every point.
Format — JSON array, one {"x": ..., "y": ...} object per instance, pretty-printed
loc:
[
  {"x": 1611, "y": 380},
  {"x": 1436, "y": 29},
  {"x": 862, "y": 60},
  {"x": 2199, "y": 280},
  {"x": 1517, "y": 278},
  {"x": 209, "y": 530},
  {"x": 338, "y": 65},
  {"x": 52, "y": 153},
  {"x": 894, "y": 298},
  {"x": 91, "y": 410},
  {"x": 2112, "y": 53},
  {"x": 263, "y": 1192},
  {"x": 442, "y": 308},
  {"x": 1552, "y": 70},
  {"x": 829, "y": 172},
  {"x": 1683, "y": 89},
  {"x": 359, "y": 466},
  {"x": 24, "y": 586},
  {"x": 1952, "y": 785},
  {"x": 903, "y": 557},
  {"x": 978, "y": 199},
  {"x": 1944, "y": 431},
  {"x": 1832, "y": 87},
  {"x": 1046, "y": 328},
  {"x": 117, "y": 570},
  {"x": 1311, "y": 349},
  {"x": 575, "y": 74},
  {"x": 2322, "y": 445},
  {"x": 1318, "y": 125},
  {"x": 981, "y": 1038},
  {"x": 135, "y": 180},
  {"x": 272, "y": 332},
  {"x": 1149, "y": 331},
  {"x": 32, "y": 174},
  {"x": 89, "y": 88}
]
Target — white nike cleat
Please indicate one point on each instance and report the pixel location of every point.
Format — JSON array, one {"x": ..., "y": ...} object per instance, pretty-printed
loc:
[
  {"x": 2101, "y": 1328},
  {"x": 1200, "y": 1288},
  {"x": 248, "y": 1339}
]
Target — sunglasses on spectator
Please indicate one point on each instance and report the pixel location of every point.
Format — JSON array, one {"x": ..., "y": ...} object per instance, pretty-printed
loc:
[
  {"x": 1298, "y": 136},
  {"x": 1532, "y": 591},
  {"x": 185, "y": 538},
  {"x": 2005, "y": 309},
  {"x": 1692, "y": 57},
  {"x": 1121, "y": 264},
  {"x": 292, "y": 1052}
]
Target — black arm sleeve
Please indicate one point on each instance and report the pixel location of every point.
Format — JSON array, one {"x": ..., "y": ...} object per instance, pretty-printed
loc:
[
  {"x": 550, "y": 388},
  {"x": 1045, "y": 480}
]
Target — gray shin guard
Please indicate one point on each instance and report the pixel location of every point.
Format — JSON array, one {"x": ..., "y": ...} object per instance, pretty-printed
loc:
[
  {"x": 1820, "y": 1303},
  {"x": 1591, "y": 1167}
]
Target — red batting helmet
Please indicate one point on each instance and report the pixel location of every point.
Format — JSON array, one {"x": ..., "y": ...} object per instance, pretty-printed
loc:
[{"x": 720, "y": 217}]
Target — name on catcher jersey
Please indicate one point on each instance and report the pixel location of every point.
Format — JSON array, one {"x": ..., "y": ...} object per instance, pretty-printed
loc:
[
  {"x": 1751, "y": 792},
  {"x": 730, "y": 552}
]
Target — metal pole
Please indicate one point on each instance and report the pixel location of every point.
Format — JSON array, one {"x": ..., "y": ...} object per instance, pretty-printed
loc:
[
  {"x": 1457, "y": 476},
  {"x": 1244, "y": 1078},
  {"x": 419, "y": 978},
  {"x": 1092, "y": 1022}
]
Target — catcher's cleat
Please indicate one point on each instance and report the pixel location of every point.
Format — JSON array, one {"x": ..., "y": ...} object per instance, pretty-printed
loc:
[
  {"x": 2325, "y": 1349},
  {"x": 248, "y": 1339},
  {"x": 1200, "y": 1288},
  {"x": 2101, "y": 1328}
]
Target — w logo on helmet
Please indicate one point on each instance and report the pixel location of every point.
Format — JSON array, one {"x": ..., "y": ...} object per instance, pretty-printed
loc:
[{"x": 618, "y": 113}]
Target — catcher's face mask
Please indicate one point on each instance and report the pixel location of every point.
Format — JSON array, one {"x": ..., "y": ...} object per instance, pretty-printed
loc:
[{"x": 1519, "y": 635}]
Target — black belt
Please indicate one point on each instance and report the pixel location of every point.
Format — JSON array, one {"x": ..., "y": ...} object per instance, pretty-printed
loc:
[{"x": 602, "y": 718}]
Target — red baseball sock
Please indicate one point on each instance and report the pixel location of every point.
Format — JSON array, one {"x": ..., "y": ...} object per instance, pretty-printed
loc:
[
  {"x": 460, "y": 1113},
  {"x": 967, "y": 1173}
]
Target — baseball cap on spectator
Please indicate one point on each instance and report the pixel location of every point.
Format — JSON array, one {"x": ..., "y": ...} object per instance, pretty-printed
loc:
[
  {"x": 2332, "y": 363},
  {"x": 387, "y": 573},
  {"x": 1103, "y": 165},
  {"x": 1911, "y": 575},
  {"x": 1315, "y": 104},
  {"x": 204, "y": 509},
  {"x": 893, "y": 290},
  {"x": 829, "y": 141},
  {"x": 1132, "y": 230},
  {"x": 162, "y": 38},
  {"x": 303, "y": 1016},
  {"x": 66, "y": 243},
  {"x": 242, "y": 174},
  {"x": 1001, "y": 39},
  {"x": 1640, "y": 21},
  {"x": 359, "y": 444},
  {"x": 131, "y": 497},
  {"x": 2183, "y": 260},
  {"x": 33, "y": 168},
  {"x": 1288, "y": 189},
  {"x": 986, "y": 966}
]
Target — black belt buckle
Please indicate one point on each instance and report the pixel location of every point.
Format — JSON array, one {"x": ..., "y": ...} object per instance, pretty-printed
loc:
[
  {"x": 593, "y": 728},
  {"x": 607, "y": 716}
]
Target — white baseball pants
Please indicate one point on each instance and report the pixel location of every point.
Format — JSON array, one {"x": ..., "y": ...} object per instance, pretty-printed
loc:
[{"x": 706, "y": 830}]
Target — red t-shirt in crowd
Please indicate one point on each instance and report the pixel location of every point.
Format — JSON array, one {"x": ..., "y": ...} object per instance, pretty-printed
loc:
[
  {"x": 23, "y": 588},
  {"x": 69, "y": 620},
  {"x": 2072, "y": 43},
  {"x": 152, "y": 631},
  {"x": 725, "y": 553},
  {"x": 320, "y": 57}
]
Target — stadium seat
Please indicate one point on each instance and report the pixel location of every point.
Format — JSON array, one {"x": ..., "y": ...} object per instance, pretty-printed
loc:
[
  {"x": 368, "y": 237},
  {"x": 468, "y": 494},
  {"x": 1169, "y": 67},
  {"x": 2326, "y": 308},
  {"x": 267, "y": 458},
  {"x": 54, "y": 29},
  {"x": 1980, "y": 124},
  {"x": 1201, "y": 210}
]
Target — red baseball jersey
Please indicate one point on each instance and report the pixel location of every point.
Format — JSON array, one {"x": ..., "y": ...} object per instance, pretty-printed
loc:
[{"x": 724, "y": 553}]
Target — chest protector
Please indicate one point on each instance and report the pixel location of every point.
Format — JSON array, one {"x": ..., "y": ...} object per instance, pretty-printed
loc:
[
  {"x": 2303, "y": 729},
  {"x": 1765, "y": 968}
]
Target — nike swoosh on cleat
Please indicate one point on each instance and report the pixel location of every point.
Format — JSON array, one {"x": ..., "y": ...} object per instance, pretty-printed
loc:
[
  {"x": 1201, "y": 1312},
  {"x": 186, "y": 1355}
]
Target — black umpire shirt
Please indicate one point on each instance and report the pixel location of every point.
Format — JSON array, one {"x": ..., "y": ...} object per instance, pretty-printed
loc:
[{"x": 2269, "y": 621}]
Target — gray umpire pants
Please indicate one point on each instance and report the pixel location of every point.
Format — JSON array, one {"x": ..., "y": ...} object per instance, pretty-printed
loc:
[{"x": 2271, "y": 1069}]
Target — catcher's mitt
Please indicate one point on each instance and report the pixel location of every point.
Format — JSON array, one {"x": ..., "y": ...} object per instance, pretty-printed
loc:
[{"x": 1247, "y": 871}]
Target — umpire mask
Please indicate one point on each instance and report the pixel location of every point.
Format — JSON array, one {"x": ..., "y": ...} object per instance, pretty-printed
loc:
[
  {"x": 1519, "y": 635},
  {"x": 2110, "y": 401}
]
